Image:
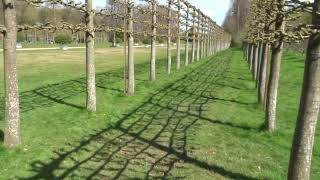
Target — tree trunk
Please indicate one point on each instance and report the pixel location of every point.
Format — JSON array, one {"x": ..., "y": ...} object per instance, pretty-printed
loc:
[
  {"x": 198, "y": 37},
  {"x": 178, "y": 59},
  {"x": 267, "y": 77},
  {"x": 203, "y": 37},
  {"x": 251, "y": 57},
  {"x": 263, "y": 73},
  {"x": 130, "y": 70},
  {"x": 272, "y": 93},
  {"x": 169, "y": 38},
  {"x": 301, "y": 152},
  {"x": 193, "y": 36},
  {"x": 259, "y": 63},
  {"x": 186, "y": 53},
  {"x": 90, "y": 62},
  {"x": 153, "y": 43},
  {"x": 114, "y": 40},
  {"x": 12, "y": 116},
  {"x": 255, "y": 61}
]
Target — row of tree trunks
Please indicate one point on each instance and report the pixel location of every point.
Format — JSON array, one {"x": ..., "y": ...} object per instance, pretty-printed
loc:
[
  {"x": 268, "y": 80},
  {"x": 203, "y": 35}
]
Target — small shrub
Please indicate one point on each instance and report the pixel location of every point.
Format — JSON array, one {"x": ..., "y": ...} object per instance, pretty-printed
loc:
[
  {"x": 136, "y": 40},
  {"x": 161, "y": 40},
  {"x": 118, "y": 40},
  {"x": 63, "y": 39},
  {"x": 146, "y": 41},
  {"x": 20, "y": 37}
]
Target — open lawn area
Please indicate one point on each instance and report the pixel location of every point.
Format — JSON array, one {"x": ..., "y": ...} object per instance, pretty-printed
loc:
[{"x": 202, "y": 122}]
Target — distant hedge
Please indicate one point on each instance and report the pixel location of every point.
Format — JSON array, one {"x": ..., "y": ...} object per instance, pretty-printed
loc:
[{"x": 63, "y": 39}]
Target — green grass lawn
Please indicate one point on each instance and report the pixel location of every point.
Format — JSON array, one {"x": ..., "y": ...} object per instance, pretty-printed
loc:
[
  {"x": 202, "y": 122},
  {"x": 46, "y": 45}
]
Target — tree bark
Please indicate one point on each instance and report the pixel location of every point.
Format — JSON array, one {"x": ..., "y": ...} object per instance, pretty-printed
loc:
[
  {"x": 263, "y": 73},
  {"x": 301, "y": 152},
  {"x": 12, "y": 115},
  {"x": 203, "y": 38},
  {"x": 178, "y": 58},
  {"x": 272, "y": 93},
  {"x": 193, "y": 37},
  {"x": 153, "y": 42},
  {"x": 255, "y": 61},
  {"x": 251, "y": 56},
  {"x": 130, "y": 70},
  {"x": 169, "y": 38},
  {"x": 114, "y": 40},
  {"x": 259, "y": 63},
  {"x": 186, "y": 53},
  {"x": 198, "y": 36},
  {"x": 90, "y": 62},
  {"x": 267, "y": 77}
]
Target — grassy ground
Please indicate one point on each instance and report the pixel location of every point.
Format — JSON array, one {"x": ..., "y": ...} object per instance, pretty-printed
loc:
[{"x": 201, "y": 123}]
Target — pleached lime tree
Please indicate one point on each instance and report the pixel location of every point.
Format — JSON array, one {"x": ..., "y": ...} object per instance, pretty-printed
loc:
[
  {"x": 302, "y": 146},
  {"x": 12, "y": 115}
]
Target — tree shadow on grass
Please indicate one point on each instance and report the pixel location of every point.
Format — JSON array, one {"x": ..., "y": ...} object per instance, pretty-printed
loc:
[
  {"x": 60, "y": 93},
  {"x": 152, "y": 141}
]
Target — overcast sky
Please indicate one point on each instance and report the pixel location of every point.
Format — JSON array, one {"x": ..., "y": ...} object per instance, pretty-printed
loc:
[{"x": 216, "y": 9}]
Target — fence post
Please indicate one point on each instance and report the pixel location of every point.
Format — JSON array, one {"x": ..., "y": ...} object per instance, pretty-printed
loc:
[
  {"x": 90, "y": 62},
  {"x": 169, "y": 39},
  {"x": 131, "y": 80},
  {"x": 12, "y": 114},
  {"x": 186, "y": 61},
  {"x": 193, "y": 34},
  {"x": 153, "y": 41},
  {"x": 178, "y": 36}
]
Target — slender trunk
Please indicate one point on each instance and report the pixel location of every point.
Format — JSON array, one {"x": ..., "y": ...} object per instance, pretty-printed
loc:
[
  {"x": 301, "y": 152},
  {"x": 153, "y": 43},
  {"x": 251, "y": 56},
  {"x": 186, "y": 53},
  {"x": 272, "y": 94},
  {"x": 259, "y": 63},
  {"x": 255, "y": 61},
  {"x": 273, "y": 87},
  {"x": 169, "y": 38},
  {"x": 198, "y": 37},
  {"x": 193, "y": 37},
  {"x": 263, "y": 73},
  {"x": 178, "y": 38},
  {"x": 90, "y": 62},
  {"x": 12, "y": 115},
  {"x": 203, "y": 38},
  {"x": 130, "y": 70},
  {"x": 114, "y": 39}
]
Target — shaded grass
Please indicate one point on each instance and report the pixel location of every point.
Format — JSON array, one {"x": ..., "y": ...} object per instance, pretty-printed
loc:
[{"x": 201, "y": 123}]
